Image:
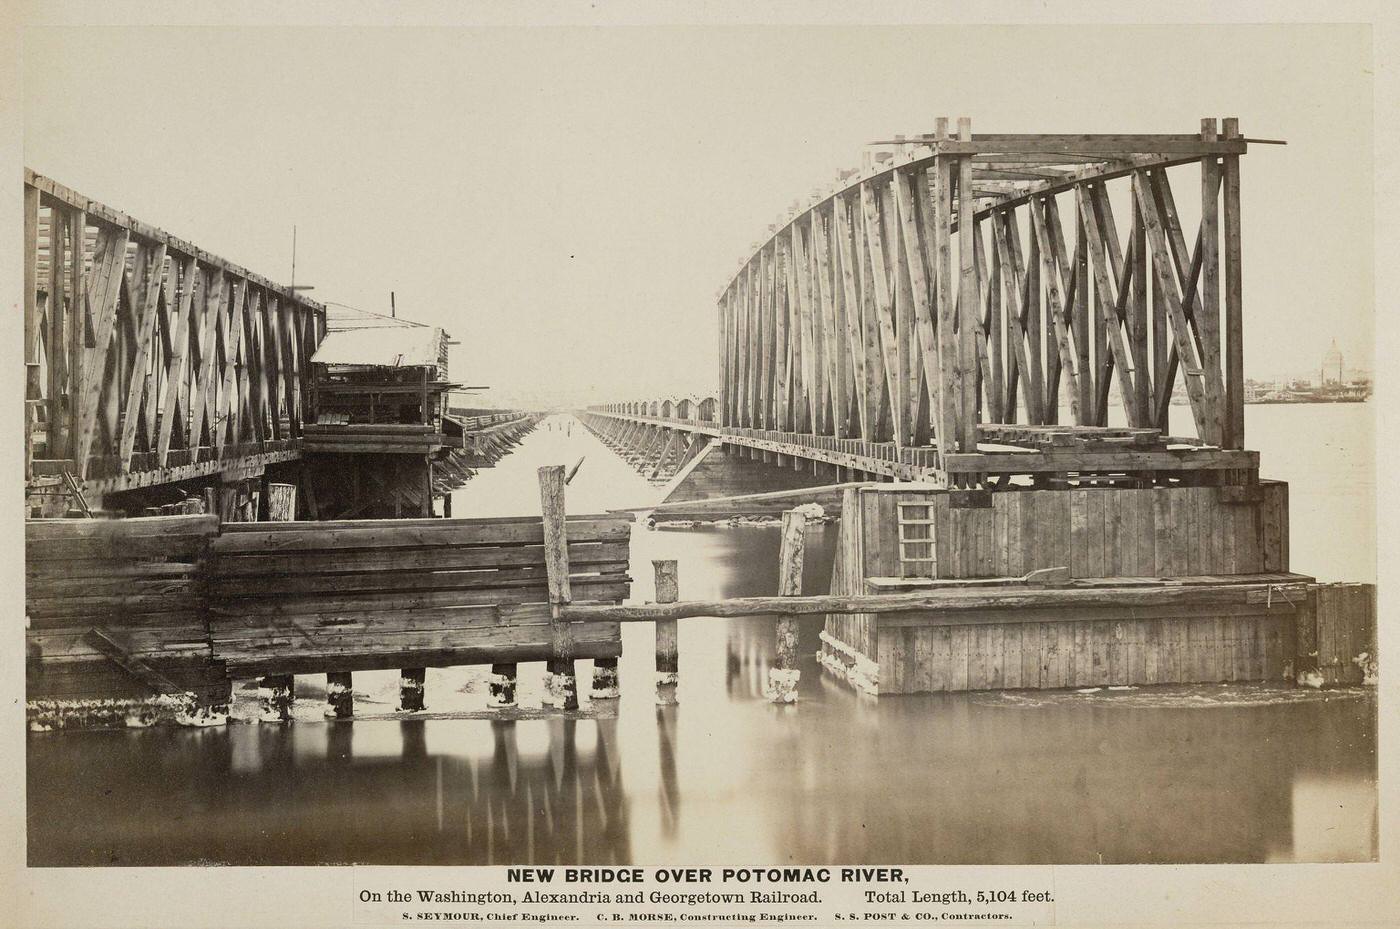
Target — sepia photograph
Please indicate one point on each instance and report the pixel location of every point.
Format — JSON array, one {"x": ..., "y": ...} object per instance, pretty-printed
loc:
[{"x": 724, "y": 468}]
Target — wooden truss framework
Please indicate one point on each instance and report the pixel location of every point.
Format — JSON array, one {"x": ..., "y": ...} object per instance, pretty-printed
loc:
[
  {"x": 879, "y": 312},
  {"x": 169, "y": 362},
  {"x": 658, "y": 451}
]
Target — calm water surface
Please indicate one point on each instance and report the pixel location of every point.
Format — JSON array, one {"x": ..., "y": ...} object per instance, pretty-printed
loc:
[{"x": 1192, "y": 774}]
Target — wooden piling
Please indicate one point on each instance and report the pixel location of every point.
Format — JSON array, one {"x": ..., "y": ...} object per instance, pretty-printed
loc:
[
  {"x": 281, "y": 502},
  {"x": 503, "y": 684},
  {"x": 276, "y": 692},
  {"x": 667, "y": 638},
  {"x": 784, "y": 675},
  {"x": 561, "y": 689},
  {"x": 604, "y": 679},
  {"x": 340, "y": 695},
  {"x": 411, "y": 689}
]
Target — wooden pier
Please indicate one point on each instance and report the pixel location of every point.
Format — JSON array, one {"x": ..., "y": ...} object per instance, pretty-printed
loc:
[{"x": 155, "y": 617}]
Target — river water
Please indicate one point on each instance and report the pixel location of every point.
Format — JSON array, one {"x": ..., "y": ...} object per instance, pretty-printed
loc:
[{"x": 1239, "y": 773}]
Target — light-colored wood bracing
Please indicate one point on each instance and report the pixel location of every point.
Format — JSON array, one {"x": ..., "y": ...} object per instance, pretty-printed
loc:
[
  {"x": 962, "y": 279},
  {"x": 162, "y": 361}
]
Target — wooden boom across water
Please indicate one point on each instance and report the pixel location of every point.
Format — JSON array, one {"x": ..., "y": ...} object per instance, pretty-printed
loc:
[{"x": 980, "y": 597}]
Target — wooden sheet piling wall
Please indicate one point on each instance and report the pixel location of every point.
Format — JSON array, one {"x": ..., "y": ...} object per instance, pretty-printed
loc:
[
  {"x": 136, "y": 582},
  {"x": 1095, "y": 532},
  {"x": 1211, "y": 535},
  {"x": 354, "y": 595},
  {"x": 1114, "y": 651},
  {"x": 1337, "y": 633},
  {"x": 137, "y": 607}
]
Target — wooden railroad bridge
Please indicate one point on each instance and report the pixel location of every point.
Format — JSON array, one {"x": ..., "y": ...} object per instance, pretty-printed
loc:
[
  {"x": 967, "y": 310},
  {"x": 155, "y": 370},
  {"x": 902, "y": 348}
]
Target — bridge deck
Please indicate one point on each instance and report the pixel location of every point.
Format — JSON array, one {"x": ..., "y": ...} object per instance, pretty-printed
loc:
[{"x": 1003, "y": 450}]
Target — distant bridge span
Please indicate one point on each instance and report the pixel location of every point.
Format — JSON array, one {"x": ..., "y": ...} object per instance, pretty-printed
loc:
[{"x": 877, "y": 329}]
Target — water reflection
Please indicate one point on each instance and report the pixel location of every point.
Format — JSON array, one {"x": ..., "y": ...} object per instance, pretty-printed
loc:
[{"x": 459, "y": 792}]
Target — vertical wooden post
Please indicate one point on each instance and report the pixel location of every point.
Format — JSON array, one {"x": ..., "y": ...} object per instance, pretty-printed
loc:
[
  {"x": 502, "y": 684},
  {"x": 785, "y": 673},
  {"x": 969, "y": 297},
  {"x": 561, "y": 689},
  {"x": 667, "y": 634},
  {"x": 276, "y": 692},
  {"x": 411, "y": 682},
  {"x": 427, "y": 502},
  {"x": 604, "y": 679},
  {"x": 1234, "y": 305},
  {"x": 281, "y": 502},
  {"x": 340, "y": 695},
  {"x": 31, "y": 319}
]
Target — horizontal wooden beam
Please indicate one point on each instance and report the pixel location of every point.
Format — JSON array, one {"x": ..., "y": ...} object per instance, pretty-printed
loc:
[
  {"x": 95, "y": 210},
  {"x": 1071, "y": 459},
  {"x": 174, "y": 475},
  {"x": 951, "y": 600}
]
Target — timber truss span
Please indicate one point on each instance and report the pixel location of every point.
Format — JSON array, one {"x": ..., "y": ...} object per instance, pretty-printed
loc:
[
  {"x": 658, "y": 448},
  {"x": 966, "y": 309},
  {"x": 147, "y": 359}
]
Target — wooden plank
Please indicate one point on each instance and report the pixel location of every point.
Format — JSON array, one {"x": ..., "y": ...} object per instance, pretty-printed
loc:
[
  {"x": 969, "y": 298},
  {"x": 940, "y": 658},
  {"x": 448, "y": 532},
  {"x": 1147, "y": 195},
  {"x": 884, "y": 306},
  {"x": 1096, "y": 534},
  {"x": 916, "y": 251},
  {"x": 32, "y": 318},
  {"x": 147, "y": 292},
  {"x": 102, "y": 298},
  {"x": 950, "y": 362},
  {"x": 960, "y": 650},
  {"x": 1234, "y": 302},
  {"x": 852, "y": 306}
]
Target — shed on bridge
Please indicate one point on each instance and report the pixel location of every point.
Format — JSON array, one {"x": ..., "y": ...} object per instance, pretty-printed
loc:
[{"x": 378, "y": 398}]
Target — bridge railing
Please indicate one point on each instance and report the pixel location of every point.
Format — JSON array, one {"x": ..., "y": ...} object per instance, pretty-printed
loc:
[
  {"x": 681, "y": 409},
  {"x": 147, "y": 358}
]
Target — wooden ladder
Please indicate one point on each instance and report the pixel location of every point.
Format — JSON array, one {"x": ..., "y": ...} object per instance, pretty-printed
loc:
[{"x": 916, "y": 531}]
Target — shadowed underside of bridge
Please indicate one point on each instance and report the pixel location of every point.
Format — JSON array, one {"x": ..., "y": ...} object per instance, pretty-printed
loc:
[{"x": 971, "y": 310}]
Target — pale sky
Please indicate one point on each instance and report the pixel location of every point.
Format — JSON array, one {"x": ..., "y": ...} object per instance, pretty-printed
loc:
[{"x": 567, "y": 201}]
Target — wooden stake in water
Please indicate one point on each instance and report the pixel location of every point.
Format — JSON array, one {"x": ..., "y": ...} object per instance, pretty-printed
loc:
[
  {"x": 604, "y": 679},
  {"x": 784, "y": 675},
  {"x": 561, "y": 689},
  {"x": 411, "y": 682},
  {"x": 276, "y": 693},
  {"x": 503, "y": 684},
  {"x": 340, "y": 695},
  {"x": 667, "y": 640}
]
